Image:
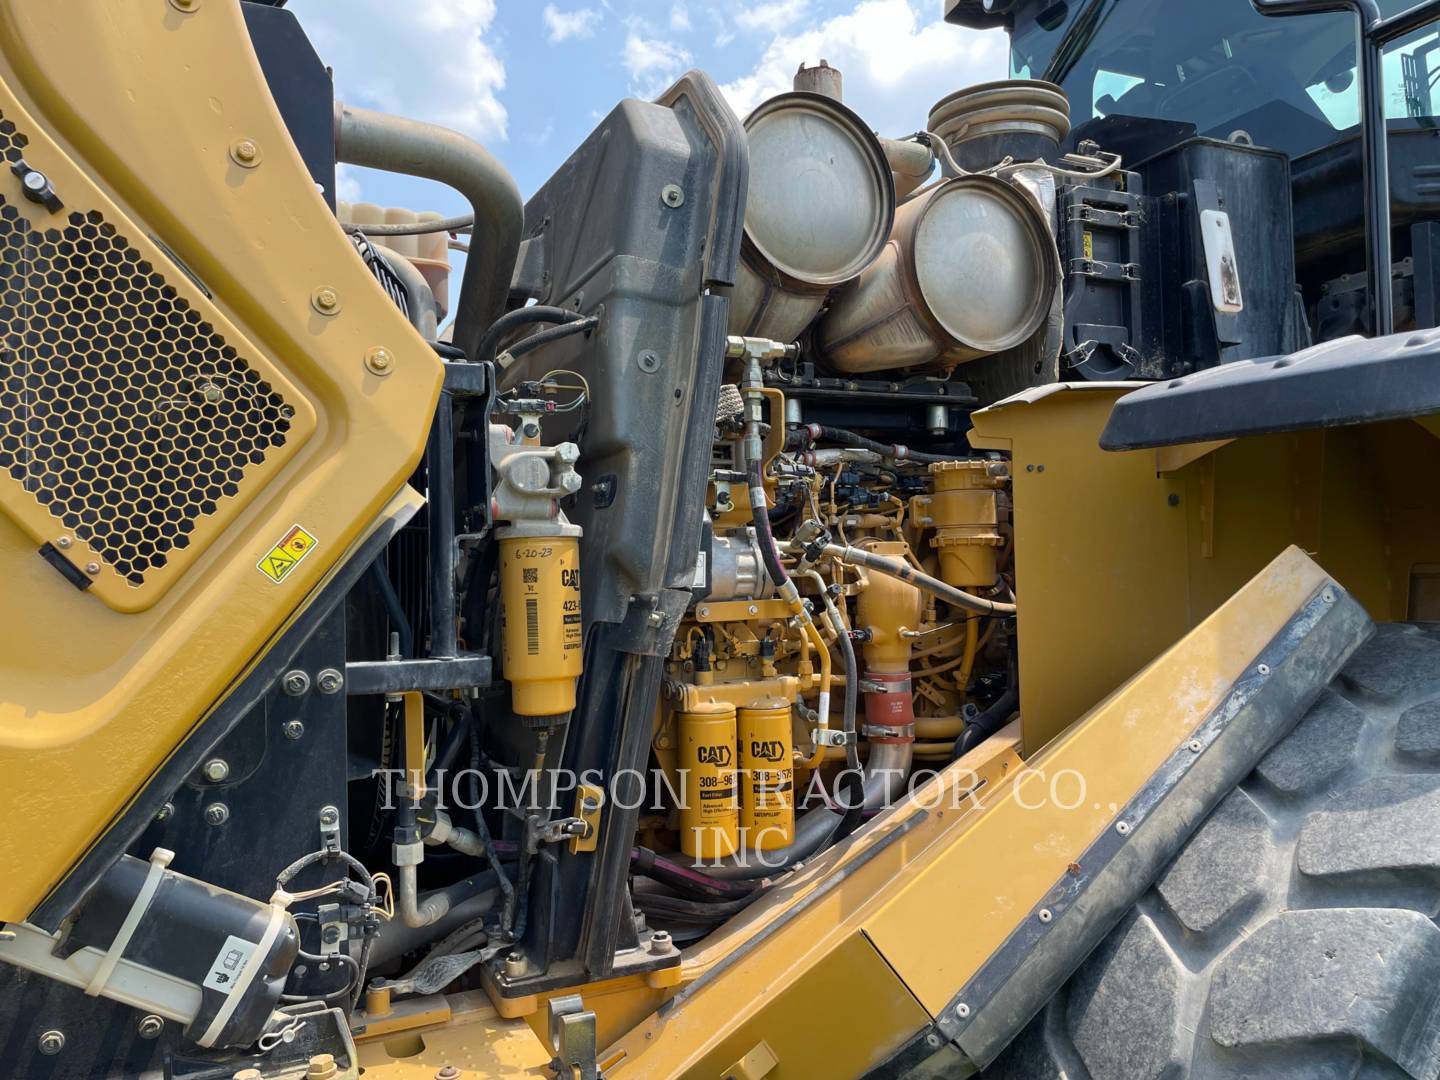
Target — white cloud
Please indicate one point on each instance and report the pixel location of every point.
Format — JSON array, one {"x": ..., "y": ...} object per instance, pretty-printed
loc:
[
  {"x": 770, "y": 17},
  {"x": 426, "y": 58},
  {"x": 679, "y": 17},
  {"x": 347, "y": 185},
  {"x": 563, "y": 25},
  {"x": 652, "y": 63},
  {"x": 895, "y": 62}
]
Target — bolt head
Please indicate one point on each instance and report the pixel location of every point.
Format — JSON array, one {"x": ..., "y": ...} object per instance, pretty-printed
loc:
[
  {"x": 449, "y": 1072},
  {"x": 962, "y": 1010},
  {"x": 325, "y": 300},
  {"x": 329, "y": 816},
  {"x": 329, "y": 681},
  {"x": 216, "y": 770},
  {"x": 92, "y": 568},
  {"x": 35, "y": 180},
  {"x": 294, "y": 729},
  {"x": 379, "y": 361},
  {"x": 151, "y": 1026},
  {"x": 163, "y": 814},
  {"x": 217, "y": 814},
  {"x": 63, "y": 542},
  {"x": 51, "y": 1043},
  {"x": 295, "y": 683},
  {"x": 246, "y": 150}
]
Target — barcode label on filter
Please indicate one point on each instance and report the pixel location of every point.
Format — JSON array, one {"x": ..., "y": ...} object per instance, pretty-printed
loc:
[{"x": 532, "y": 626}]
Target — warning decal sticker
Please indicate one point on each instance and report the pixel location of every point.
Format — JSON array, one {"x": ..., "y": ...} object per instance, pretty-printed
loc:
[{"x": 286, "y": 555}]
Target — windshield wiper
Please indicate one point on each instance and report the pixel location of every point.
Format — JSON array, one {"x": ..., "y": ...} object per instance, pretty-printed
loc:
[{"x": 1076, "y": 40}]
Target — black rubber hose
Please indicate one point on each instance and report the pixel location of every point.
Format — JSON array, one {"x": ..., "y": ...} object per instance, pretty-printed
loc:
[
  {"x": 987, "y": 723},
  {"x": 646, "y": 863},
  {"x": 482, "y": 830},
  {"x": 555, "y": 333},
  {"x": 769, "y": 554},
  {"x": 535, "y": 313},
  {"x": 895, "y": 452},
  {"x": 675, "y": 907}
]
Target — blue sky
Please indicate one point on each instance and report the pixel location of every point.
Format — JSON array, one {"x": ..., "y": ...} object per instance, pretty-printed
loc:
[{"x": 531, "y": 79}]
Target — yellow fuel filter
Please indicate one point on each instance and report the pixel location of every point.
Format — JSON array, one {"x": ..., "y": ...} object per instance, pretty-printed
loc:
[
  {"x": 709, "y": 800},
  {"x": 767, "y": 777},
  {"x": 540, "y": 616}
]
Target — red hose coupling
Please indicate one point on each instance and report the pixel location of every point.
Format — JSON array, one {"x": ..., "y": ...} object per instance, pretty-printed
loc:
[{"x": 889, "y": 707}]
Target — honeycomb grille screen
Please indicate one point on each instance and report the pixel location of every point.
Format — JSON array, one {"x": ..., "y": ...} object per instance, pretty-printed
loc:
[{"x": 124, "y": 414}]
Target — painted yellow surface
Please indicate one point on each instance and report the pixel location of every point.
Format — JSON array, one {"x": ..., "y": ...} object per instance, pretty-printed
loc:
[
  {"x": 991, "y": 853},
  {"x": 148, "y": 101}
]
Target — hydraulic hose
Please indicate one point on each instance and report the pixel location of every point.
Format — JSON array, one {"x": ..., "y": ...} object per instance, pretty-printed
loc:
[
  {"x": 645, "y": 862},
  {"x": 545, "y": 337},
  {"x": 895, "y": 452},
  {"x": 905, "y": 572},
  {"x": 413, "y": 148},
  {"x": 513, "y": 320},
  {"x": 987, "y": 723},
  {"x": 852, "y": 672}
]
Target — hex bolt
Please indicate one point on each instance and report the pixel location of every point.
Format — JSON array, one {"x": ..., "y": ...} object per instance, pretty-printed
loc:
[
  {"x": 294, "y": 729},
  {"x": 322, "y": 1067},
  {"x": 329, "y": 816},
  {"x": 151, "y": 1026},
  {"x": 673, "y": 196},
  {"x": 330, "y": 935},
  {"x": 245, "y": 152},
  {"x": 217, "y": 813},
  {"x": 379, "y": 361},
  {"x": 216, "y": 770},
  {"x": 516, "y": 964},
  {"x": 660, "y": 942},
  {"x": 163, "y": 814},
  {"x": 295, "y": 682},
  {"x": 648, "y": 361},
  {"x": 325, "y": 300},
  {"x": 63, "y": 542},
  {"x": 449, "y": 1072},
  {"x": 329, "y": 681},
  {"x": 92, "y": 568},
  {"x": 932, "y": 1040},
  {"x": 52, "y": 1042}
]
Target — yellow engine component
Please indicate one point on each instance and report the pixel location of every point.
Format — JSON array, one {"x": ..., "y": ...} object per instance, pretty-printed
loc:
[
  {"x": 709, "y": 807},
  {"x": 887, "y": 608},
  {"x": 540, "y": 616},
  {"x": 767, "y": 753},
  {"x": 965, "y": 513}
]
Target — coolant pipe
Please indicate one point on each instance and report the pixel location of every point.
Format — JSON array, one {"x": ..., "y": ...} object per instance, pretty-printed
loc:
[
  {"x": 467, "y": 900},
  {"x": 414, "y": 148},
  {"x": 905, "y": 572},
  {"x": 413, "y": 911}
]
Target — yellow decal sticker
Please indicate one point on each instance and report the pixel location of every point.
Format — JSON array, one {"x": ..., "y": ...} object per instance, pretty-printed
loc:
[
  {"x": 286, "y": 555},
  {"x": 1088, "y": 242}
]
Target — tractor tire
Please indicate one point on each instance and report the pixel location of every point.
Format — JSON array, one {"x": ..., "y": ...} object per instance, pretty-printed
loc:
[{"x": 1294, "y": 937}]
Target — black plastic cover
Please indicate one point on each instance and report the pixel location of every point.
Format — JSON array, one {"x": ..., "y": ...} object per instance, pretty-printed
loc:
[{"x": 1353, "y": 380}]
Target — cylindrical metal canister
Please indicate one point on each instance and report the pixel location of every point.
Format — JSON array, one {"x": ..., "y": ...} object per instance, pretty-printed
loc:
[
  {"x": 1023, "y": 119},
  {"x": 767, "y": 777},
  {"x": 889, "y": 707},
  {"x": 709, "y": 799},
  {"x": 971, "y": 269},
  {"x": 540, "y": 619},
  {"x": 820, "y": 205},
  {"x": 964, "y": 511}
]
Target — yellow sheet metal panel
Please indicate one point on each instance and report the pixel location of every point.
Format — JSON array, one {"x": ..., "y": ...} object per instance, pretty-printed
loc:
[
  {"x": 473, "y": 1039},
  {"x": 154, "y": 105},
  {"x": 840, "y": 1016},
  {"x": 1011, "y": 855},
  {"x": 1100, "y": 556},
  {"x": 739, "y": 971}
]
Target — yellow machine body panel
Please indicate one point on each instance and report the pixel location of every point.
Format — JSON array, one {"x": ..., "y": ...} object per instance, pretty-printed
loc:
[
  {"x": 986, "y": 840},
  {"x": 154, "y": 125},
  {"x": 1151, "y": 542}
]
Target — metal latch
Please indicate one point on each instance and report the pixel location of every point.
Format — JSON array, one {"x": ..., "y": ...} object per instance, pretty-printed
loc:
[{"x": 572, "y": 1038}]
